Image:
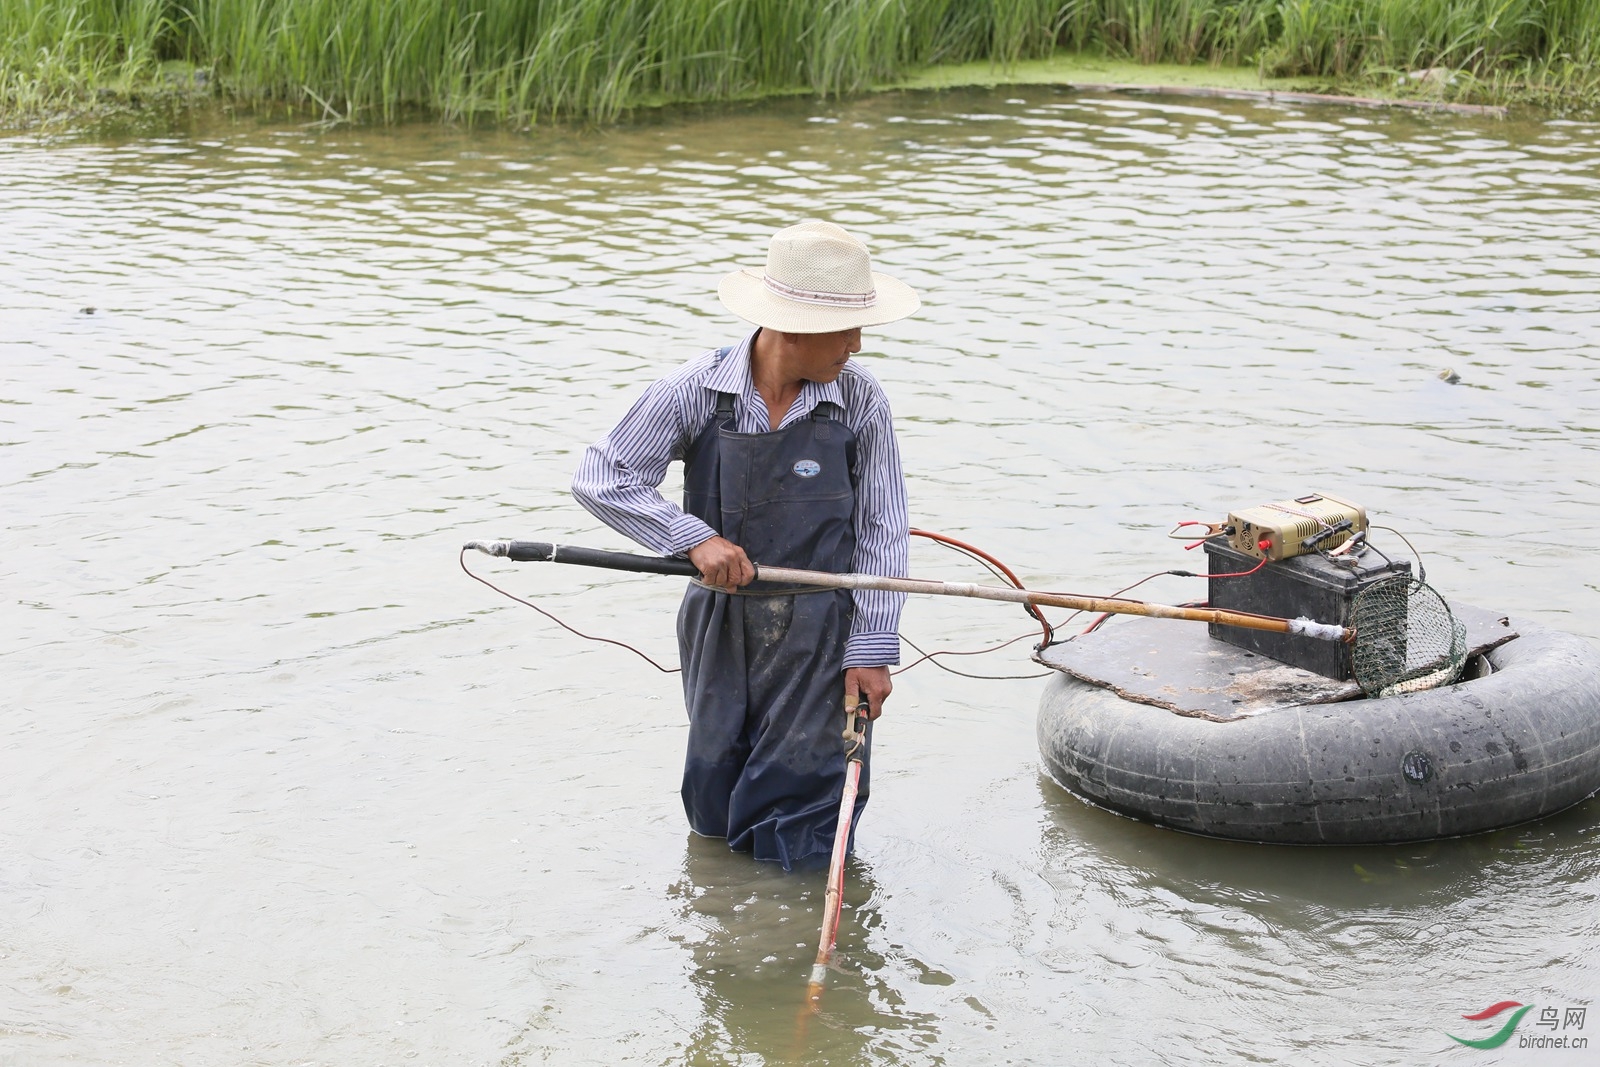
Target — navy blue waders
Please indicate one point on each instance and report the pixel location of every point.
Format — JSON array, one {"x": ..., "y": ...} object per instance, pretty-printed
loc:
[{"x": 763, "y": 669}]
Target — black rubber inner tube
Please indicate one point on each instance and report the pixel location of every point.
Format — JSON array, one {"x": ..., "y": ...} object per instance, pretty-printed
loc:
[{"x": 1519, "y": 743}]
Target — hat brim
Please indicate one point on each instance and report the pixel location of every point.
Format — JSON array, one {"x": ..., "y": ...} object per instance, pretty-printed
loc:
[{"x": 745, "y": 294}]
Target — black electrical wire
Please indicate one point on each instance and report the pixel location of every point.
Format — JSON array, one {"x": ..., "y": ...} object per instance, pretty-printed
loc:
[
  {"x": 1422, "y": 574},
  {"x": 564, "y": 626},
  {"x": 932, "y": 657}
]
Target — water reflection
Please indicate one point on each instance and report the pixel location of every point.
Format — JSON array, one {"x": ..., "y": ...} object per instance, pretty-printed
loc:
[
  {"x": 752, "y": 931},
  {"x": 1556, "y": 852},
  {"x": 1314, "y": 924}
]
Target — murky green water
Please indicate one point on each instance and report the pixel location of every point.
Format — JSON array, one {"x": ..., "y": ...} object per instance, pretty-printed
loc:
[{"x": 281, "y": 785}]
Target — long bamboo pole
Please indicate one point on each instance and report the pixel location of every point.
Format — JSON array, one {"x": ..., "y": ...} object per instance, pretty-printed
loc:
[{"x": 542, "y": 551}]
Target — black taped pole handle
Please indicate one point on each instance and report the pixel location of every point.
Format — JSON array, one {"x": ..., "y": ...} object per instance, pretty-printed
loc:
[{"x": 545, "y": 552}]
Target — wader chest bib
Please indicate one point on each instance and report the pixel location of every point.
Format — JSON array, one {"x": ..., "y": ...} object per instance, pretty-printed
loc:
[{"x": 763, "y": 670}]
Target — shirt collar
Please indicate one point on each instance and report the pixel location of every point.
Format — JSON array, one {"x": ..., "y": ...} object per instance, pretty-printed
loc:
[{"x": 732, "y": 375}]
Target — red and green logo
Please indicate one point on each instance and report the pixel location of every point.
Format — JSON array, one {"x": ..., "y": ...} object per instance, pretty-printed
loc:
[{"x": 1502, "y": 1035}]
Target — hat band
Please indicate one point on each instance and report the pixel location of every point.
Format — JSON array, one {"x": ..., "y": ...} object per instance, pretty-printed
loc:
[{"x": 810, "y": 296}]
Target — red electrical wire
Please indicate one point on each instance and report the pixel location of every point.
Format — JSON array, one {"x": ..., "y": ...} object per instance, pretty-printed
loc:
[
  {"x": 1240, "y": 574},
  {"x": 1180, "y": 574},
  {"x": 1005, "y": 571}
]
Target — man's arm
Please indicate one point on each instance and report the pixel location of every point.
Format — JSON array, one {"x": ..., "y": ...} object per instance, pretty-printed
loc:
[
  {"x": 882, "y": 548},
  {"x": 618, "y": 480}
]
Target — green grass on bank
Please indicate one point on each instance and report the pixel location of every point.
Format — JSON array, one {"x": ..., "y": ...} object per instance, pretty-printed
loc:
[{"x": 527, "y": 60}]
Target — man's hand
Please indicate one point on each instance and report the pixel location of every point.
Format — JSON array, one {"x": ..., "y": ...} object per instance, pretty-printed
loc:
[
  {"x": 722, "y": 564},
  {"x": 870, "y": 682}
]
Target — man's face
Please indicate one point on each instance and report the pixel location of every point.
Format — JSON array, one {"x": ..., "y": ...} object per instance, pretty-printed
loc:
[{"x": 822, "y": 356}]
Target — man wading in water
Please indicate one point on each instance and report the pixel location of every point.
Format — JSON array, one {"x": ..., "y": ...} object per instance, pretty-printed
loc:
[{"x": 789, "y": 459}]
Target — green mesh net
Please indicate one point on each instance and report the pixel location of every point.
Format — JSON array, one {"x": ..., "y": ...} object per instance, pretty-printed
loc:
[{"x": 1406, "y": 638}]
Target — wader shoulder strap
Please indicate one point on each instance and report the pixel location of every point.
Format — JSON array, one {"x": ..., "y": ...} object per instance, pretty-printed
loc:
[{"x": 724, "y": 411}]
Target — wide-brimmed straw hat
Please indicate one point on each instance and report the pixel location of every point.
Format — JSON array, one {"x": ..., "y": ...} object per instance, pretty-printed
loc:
[{"x": 818, "y": 279}]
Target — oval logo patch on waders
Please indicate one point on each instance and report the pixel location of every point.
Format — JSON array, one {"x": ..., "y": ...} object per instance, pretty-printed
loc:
[{"x": 808, "y": 468}]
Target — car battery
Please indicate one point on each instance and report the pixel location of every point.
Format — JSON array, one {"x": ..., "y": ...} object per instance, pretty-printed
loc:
[{"x": 1310, "y": 586}]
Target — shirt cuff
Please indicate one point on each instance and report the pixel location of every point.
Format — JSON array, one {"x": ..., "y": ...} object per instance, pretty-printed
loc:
[
  {"x": 685, "y": 532},
  {"x": 872, "y": 650}
]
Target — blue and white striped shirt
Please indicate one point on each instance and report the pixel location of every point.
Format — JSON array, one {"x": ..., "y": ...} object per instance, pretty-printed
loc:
[{"x": 620, "y": 475}]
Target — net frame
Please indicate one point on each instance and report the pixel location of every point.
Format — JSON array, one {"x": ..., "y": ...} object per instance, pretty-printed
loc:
[{"x": 1406, "y": 638}]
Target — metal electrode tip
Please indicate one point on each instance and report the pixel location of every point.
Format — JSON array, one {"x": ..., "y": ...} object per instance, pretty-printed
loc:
[{"x": 489, "y": 548}]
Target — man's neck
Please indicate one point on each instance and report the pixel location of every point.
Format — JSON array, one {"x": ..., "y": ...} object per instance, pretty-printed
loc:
[{"x": 775, "y": 380}]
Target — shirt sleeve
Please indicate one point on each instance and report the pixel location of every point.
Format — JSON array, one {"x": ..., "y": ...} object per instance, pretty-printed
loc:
[
  {"x": 619, "y": 477},
  {"x": 882, "y": 541}
]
